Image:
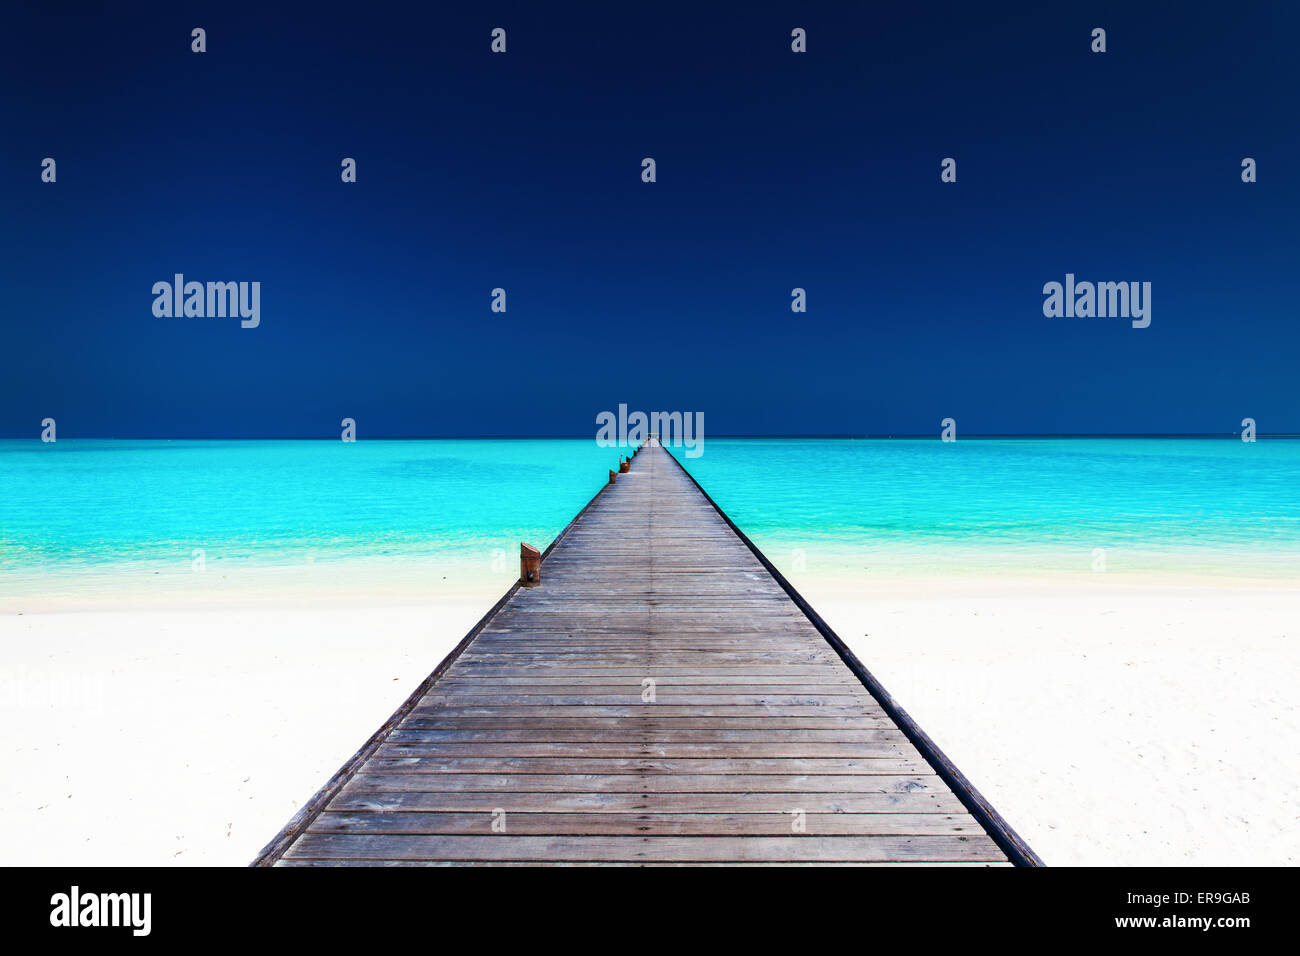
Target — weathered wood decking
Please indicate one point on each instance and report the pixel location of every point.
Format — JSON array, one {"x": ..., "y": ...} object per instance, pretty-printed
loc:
[{"x": 542, "y": 740}]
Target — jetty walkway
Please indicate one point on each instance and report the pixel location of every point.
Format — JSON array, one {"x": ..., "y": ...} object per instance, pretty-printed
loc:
[{"x": 661, "y": 695}]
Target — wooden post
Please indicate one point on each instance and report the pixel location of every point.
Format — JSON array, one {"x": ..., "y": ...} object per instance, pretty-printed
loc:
[
  {"x": 623, "y": 465},
  {"x": 613, "y": 476},
  {"x": 530, "y": 565}
]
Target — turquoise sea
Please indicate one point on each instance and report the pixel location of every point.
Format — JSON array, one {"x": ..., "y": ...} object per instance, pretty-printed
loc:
[
  {"x": 92, "y": 505},
  {"x": 1041, "y": 504},
  {"x": 821, "y": 505}
]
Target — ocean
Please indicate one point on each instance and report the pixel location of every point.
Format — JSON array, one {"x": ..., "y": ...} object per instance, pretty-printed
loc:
[
  {"x": 86, "y": 509},
  {"x": 1024, "y": 505},
  {"x": 101, "y": 519}
]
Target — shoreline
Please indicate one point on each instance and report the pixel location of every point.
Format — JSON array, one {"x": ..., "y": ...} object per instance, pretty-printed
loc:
[{"x": 145, "y": 587}]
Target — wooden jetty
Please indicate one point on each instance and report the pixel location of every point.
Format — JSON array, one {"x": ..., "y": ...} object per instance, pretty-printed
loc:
[{"x": 662, "y": 695}]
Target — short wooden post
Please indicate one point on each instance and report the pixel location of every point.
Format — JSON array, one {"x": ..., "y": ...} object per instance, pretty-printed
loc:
[
  {"x": 613, "y": 476},
  {"x": 623, "y": 466},
  {"x": 530, "y": 565}
]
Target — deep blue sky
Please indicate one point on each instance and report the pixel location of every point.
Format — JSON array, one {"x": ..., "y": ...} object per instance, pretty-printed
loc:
[{"x": 522, "y": 170}]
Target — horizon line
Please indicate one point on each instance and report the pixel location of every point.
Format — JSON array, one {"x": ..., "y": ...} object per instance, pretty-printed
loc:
[{"x": 845, "y": 436}]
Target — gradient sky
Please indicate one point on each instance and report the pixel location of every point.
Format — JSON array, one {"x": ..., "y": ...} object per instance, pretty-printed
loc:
[{"x": 522, "y": 171}]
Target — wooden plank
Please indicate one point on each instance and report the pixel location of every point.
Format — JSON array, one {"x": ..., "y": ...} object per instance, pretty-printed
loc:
[
  {"x": 353, "y": 797},
  {"x": 780, "y": 703},
  {"x": 697, "y": 730},
  {"x": 662, "y": 848},
  {"x": 642, "y": 783},
  {"x": 622, "y": 687},
  {"x": 790, "y": 766},
  {"x": 437, "y": 709},
  {"x": 659, "y": 824},
  {"x": 892, "y": 864},
  {"x": 631, "y": 748}
]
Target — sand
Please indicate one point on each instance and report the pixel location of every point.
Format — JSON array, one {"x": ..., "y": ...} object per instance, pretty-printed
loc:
[
  {"x": 192, "y": 736},
  {"x": 1111, "y": 721}
]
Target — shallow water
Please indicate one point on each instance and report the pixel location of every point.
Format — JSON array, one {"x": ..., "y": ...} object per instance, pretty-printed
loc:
[
  {"x": 997, "y": 504},
  {"x": 815, "y": 505}
]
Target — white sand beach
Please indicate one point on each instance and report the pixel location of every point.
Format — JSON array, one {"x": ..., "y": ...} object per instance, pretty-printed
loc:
[
  {"x": 190, "y": 736},
  {"x": 1111, "y": 720}
]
